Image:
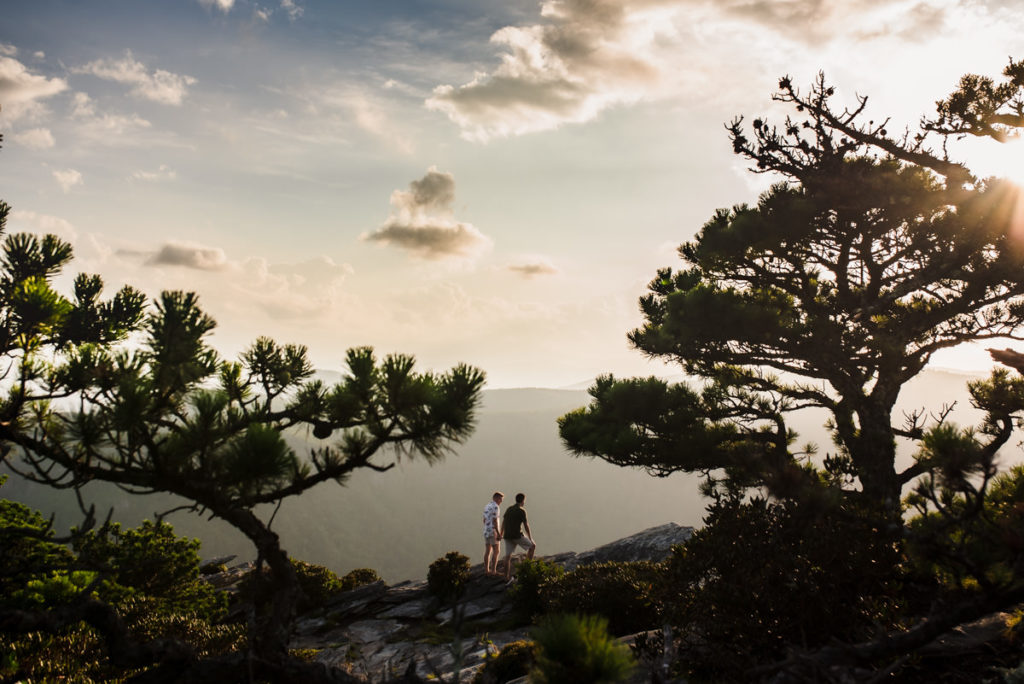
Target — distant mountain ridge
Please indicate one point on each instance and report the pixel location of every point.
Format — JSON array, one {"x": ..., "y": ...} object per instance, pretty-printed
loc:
[{"x": 400, "y": 521}]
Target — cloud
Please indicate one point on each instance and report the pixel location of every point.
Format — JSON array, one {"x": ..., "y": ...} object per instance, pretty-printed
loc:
[
  {"x": 159, "y": 86},
  {"x": 189, "y": 255},
  {"x": 421, "y": 221},
  {"x": 310, "y": 289},
  {"x": 8, "y": 50},
  {"x": 591, "y": 55},
  {"x": 68, "y": 178},
  {"x": 222, "y": 5},
  {"x": 293, "y": 10},
  {"x": 35, "y": 138},
  {"x": 533, "y": 268},
  {"x": 109, "y": 128},
  {"x": 815, "y": 22},
  {"x": 163, "y": 172},
  {"x": 20, "y": 89},
  {"x": 345, "y": 105},
  {"x": 31, "y": 222}
]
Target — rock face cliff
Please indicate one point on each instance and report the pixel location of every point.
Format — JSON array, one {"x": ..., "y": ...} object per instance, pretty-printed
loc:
[{"x": 378, "y": 630}]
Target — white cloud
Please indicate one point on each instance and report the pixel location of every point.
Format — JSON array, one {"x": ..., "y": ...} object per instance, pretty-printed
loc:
[
  {"x": 8, "y": 50},
  {"x": 159, "y": 86},
  {"x": 20, "y": 90},
  {"x": 421, "y": 221},
  {"x": 362, "y": 108},
  {"x": 162, "y": 173},
  {"x": 583, "y": 57},
  {"x": 293, "y": 10},
  {"x": 35, "y": 138},
  {"x": 591, "y": 55},
  {"x": 67, "y": 179},
  {"x": 39, "y": 54},
  {"x": 105, "y": 127},
  {"x": 222, "y": 5},
  {"x": 31, "y": 222}
]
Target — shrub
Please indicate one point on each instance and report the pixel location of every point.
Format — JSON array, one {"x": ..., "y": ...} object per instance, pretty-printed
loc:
[
  {"x": 317, "y": 583},
  {"x": 514, "y": 661},
  {"x": 447, "y": 576},
  {"x": 359, "y": 577},
  {"x": 147, "y": 623},
  {"x": 623, "y": 593},
  {"x": 575, "y": 649},
  {"x": 532, "y": 575},
  {"x": 151, "y": 560},
  {"x": 28, "y": 554},
  {"x": 761, "y": 578}
]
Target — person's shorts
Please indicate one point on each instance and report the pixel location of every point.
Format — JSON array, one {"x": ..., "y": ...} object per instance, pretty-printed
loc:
[
  {"x": 490, "y": 539},
  {"x": 523, "y": 542}
]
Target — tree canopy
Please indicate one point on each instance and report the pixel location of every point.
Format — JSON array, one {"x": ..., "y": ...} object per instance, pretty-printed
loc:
[{"x": 833, "y": 291}]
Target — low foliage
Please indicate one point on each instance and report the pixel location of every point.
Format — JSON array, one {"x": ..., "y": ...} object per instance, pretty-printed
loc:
[
  {"x": 147, "y": 574},
  {"x": 358, "y": 578},
  {"x": 532, "y": 577},
  {"x": 28, "y": 554},
  {"x": 512, "y": 662},
  {"x": 151, "y": 561},
  {"x": 622, "y": 593},
  {"x": 575, "y": 649},
  {"x": 447, "y": 576},
  {"x": 75, "y": 656},
  {"x": 760, "y": 578}
]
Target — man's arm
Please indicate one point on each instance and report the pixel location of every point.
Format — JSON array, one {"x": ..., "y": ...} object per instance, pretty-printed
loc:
[{"x": 526, "y": 526}]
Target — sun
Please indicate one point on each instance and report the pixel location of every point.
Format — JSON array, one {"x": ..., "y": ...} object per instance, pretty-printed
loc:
[{"x": 986, "y": 157}]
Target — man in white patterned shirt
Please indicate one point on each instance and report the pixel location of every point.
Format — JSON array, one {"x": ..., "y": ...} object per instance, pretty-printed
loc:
[{"x": 492, "y": 533}]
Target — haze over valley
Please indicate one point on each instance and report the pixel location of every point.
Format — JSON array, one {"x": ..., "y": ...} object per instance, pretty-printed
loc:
[{"x": 400, "y": 521}]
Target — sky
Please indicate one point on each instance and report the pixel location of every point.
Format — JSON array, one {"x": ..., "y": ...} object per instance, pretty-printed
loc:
[{"x": 483, "y": 181}]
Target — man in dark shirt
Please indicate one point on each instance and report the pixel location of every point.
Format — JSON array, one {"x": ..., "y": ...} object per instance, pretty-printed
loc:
[{"x": 513, "y": 524}]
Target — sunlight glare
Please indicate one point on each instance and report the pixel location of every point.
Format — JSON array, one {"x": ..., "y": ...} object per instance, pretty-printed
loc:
[{"x": 987, "y": 158}]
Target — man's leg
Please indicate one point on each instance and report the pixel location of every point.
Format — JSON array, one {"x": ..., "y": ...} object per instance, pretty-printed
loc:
[
  {"x": 487, "y": 557},
  {"x": 533, "y": 547},
  {"x": 509, "y": 548}
]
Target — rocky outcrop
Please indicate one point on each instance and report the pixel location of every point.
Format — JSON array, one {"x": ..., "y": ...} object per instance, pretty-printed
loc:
[{"x": 378, "y": 630}]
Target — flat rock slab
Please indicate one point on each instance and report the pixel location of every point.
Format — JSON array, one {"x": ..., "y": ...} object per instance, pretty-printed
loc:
[
  {"x": 413, "y": 610},
  {"x": 474, "y": 609},
  {"x": 370, "y": 631},
  {"x": 653, "y": 544}
]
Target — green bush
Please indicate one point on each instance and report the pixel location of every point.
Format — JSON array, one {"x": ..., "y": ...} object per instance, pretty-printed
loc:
[
  {"x": 575, "y": 649},
  {"x": 762, "y": 578},
  {"x": 317, "y": 584},
  {"x": 514, "y": 661},
  {"x": 27, "y": 554},
  {"x": 359, "y": 577},
  {"x": 151, "y": 580},
  {"x": 146, "y": 622},
  {"x": 623, "y": 593},
  {"x": 532, "y": 576},
  {"x": 74, "y": 656},
  {"x": 447, "y": 576},
  {"x": 152, "y": 561}
]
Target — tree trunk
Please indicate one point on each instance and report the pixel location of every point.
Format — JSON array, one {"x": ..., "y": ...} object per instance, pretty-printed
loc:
[{"x": 274, "y": 629}]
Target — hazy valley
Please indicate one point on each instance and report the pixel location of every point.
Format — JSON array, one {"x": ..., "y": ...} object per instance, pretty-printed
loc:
[{"x": 398, "y": 522}]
